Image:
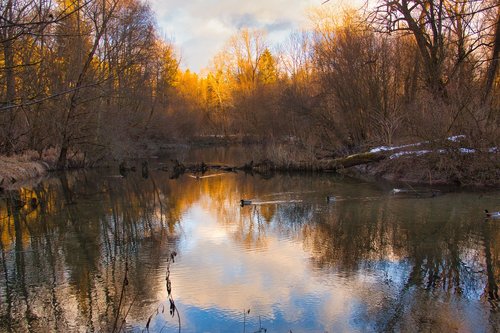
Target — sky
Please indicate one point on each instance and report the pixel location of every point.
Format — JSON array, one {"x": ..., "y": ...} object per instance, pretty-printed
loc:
[{"x": 200, "y": 28}]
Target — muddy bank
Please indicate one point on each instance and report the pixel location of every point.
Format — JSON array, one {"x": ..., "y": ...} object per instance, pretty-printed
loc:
[
  {"x": 412, "y": 163},
  {"x": 465, "y": 171},
  {"x": 481, "y": 169},
  {"x": 448, "y": 162},
  {"x": 30, "y": 166}
]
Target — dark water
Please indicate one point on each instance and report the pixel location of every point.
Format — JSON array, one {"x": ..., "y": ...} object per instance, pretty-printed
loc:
[{"x": 369, "y": 262}]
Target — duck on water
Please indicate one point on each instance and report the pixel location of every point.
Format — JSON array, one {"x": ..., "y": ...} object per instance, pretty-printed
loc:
[
  {"x": 493, "y": 215},
  {"x": 245, "y": 202}
]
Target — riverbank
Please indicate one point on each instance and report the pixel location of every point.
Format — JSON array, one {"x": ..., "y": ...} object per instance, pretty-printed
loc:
[
  {"x": 442, "y": 163},
  {"x": 30, "y": 166},
  {"x": 20, "y": 168},
  {"x": 403, "y": 164},
  {"x": 470, "y": 171}
]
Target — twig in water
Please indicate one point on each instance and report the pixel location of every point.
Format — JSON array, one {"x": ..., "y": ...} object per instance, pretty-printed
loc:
[
  {"x": 122, "y": 294},
  {"x": 245, "y": 312},
  {"x": 173, "y": 308},
  {"x": 261, "y": 329},
  {"x": 126, "y": 313}
]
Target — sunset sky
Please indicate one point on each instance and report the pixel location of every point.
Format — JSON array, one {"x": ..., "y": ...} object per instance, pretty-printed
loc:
[{"x": 199, "y": 28}]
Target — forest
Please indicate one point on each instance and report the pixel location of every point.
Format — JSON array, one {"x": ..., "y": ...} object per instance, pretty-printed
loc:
[
  {"x": 84, "y": 82},
  {"x": 223, "y": 199}
]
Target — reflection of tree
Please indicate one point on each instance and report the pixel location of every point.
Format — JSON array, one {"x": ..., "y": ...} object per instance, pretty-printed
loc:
[
  {"x": 20, "y": 273},
  {"x": 75, "y": 244},
  {"x": 86, "y": 228},
  {"x": 491, "y": 286},
  {"x": 73, "y": 247},
  {"x": 434, "y": 254}
]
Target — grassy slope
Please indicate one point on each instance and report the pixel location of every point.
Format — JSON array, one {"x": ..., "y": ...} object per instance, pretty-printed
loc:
[{"x": 18, "y": 168}]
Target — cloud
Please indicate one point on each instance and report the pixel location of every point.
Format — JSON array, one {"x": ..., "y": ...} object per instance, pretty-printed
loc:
[
  {"x": 201, "y": 27},
  {"x": 280, "y": 26},
  {"x": 245, "y": 21}
]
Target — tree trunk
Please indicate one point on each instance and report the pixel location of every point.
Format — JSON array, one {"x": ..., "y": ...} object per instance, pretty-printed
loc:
[
  {"x": 9, "y": 71},
  {"x": 10, "y": 80},
  {"x": 9, "y": 56},
  {"x": 495, "y": 58},
  {"x": 63, "y": 157}
]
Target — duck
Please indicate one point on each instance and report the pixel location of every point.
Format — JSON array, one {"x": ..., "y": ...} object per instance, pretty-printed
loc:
[
  {"x": 245, "y": 202},
  {"x": 494, "y": 215},
  {"x": 331, "y": 198}
]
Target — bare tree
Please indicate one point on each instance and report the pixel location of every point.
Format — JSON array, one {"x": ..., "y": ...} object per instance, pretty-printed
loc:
[
  {"x": 495, "y": 54},
  {"x": 69, "y": 66},
  {"x": 438, "y": 27}
]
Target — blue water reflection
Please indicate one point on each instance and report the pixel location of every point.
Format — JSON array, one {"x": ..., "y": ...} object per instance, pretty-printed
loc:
[{"x": 370, "y": 261}]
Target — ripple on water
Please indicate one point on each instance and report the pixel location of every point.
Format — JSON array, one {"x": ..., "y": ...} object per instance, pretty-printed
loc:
[{"x": 359, "y": 264}]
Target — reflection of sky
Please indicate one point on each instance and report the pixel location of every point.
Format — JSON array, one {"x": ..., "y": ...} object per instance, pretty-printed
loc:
[
  {"x": 217, "y": 276},
  {"x": 308, "y": 266},
  {"x": 214, "y": 279}
]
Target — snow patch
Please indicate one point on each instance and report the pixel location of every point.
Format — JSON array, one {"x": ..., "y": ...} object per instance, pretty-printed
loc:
[
  {"x": 467, "y": 151},
  {"x": 414, "y": 152},
  {"x": 456, "y": 138},
  {"x": 441, "y": 151},
  {"x": 389, "y": 148},
  {"x": 399, "y": 190}
]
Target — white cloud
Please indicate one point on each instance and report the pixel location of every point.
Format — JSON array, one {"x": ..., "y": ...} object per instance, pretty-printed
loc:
[{"x": 201, "y": 27}]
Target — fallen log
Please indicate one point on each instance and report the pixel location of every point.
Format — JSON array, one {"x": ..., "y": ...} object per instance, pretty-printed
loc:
[
  {"x": 351, "y": 160},
  {"x": 180, "y": 168},
  {"x": 267, "y": 166}
]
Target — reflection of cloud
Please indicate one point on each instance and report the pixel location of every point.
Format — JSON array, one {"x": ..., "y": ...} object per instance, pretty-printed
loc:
[
  {"x": 215, "y": 272},
  {"x": 192, "y": 22},
  {"x": 263, "y": 258}
]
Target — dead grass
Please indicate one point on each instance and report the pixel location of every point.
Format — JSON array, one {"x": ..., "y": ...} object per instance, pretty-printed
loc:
[
  {"x": 438, "y": 168},
  {"x": 290, "y": 157},
  {"x": 481, "y": 169},
  {"x": 18, "y": 168},
  {"x": 30, "y": 165}
]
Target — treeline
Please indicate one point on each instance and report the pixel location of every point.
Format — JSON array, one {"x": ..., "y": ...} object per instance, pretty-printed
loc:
[
  {"x": 94, "y": 78},
  {"x": 402, "y": 71},
  {"x": 81, "y": 77}
]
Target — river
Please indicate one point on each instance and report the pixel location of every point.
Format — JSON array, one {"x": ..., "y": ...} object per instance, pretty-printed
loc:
[{"x": 370, "y": 261}]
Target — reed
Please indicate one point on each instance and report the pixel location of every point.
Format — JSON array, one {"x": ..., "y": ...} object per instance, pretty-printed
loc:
[
  {"x": 17, "y": 168},
  {"x": 31, "y": 164},
  {"x": 122, "y": 295},
  {"x": 173, "y": 308}
]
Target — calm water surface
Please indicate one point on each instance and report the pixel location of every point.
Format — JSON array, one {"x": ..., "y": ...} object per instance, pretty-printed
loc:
[{"x": 369, "y": 262}]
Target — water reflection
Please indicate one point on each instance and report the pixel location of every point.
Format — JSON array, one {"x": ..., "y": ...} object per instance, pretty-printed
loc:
[{"x": 370, "y": 261}]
